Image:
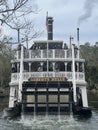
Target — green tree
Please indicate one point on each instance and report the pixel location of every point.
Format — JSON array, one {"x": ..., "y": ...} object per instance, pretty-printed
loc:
[
  {"x": 90, "y": 54},
  {"x": 5, "y": 67}
]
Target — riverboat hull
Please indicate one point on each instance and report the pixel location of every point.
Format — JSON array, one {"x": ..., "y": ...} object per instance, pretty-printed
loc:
[
  {"x": 82, "y": 111},
  {"x": 13, "y": 111}
]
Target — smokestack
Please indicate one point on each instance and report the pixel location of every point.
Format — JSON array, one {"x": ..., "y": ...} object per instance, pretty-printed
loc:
[
  {"x": 50, "y": 28},
  {"x": 78, "y": 36}
]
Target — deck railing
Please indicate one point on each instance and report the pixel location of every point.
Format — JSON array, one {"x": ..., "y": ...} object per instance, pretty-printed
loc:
[
  {"x": 69, "y": 75},
  {"x": 40, "y": 54}
]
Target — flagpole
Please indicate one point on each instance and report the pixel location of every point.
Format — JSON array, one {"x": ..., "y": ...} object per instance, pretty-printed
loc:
[
  {"x": 47, "y": 42},
  {"x": 47, "y": 23}
]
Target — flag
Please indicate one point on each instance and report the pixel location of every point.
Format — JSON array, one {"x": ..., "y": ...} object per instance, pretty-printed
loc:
[{"x": 47, "y": 21}]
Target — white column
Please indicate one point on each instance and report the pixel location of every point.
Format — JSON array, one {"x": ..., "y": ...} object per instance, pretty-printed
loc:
[
  {"x": 53, "y": 69},
  {"x": 53, "y": 66},
  {"x": 77, "y": 66},
  {"x": 53, "y": 54},
  {"x": 29, "y": 67},
  {"x": 77, "y": 71},
  {"x": 41, "y": 65},
  {"x": 47, "y": 58},
  {"x": 65, "y": 66},
  {"x": 30, "y": 54},
  {"x": 20, "y": 75},
  {"x": 83, "y": 67},
  {"x": 73, "y": 72},
  {"x": 41, "y": 53},
  {"x": 84, "y": 96},
  {"x": 18, "y": 67},
  {"x": 65, "y": 53}
]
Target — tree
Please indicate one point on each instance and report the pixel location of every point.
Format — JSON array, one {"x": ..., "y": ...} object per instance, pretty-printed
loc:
[
  {"x": 5, "y": 68},
  {"x": 14, "y": 14},
  {"x": 90, "y": 54},
  {"x": 8, "y": 8}
]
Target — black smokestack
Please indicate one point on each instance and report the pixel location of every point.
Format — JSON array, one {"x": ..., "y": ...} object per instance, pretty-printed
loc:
[
  {"x": 78, "y": 37},
  {"x": 50, "y": 28},
  {"x": 77, "y": 34}
]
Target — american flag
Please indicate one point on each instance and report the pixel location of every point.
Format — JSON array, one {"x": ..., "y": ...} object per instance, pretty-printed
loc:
[{"x": 47, "y": 21}]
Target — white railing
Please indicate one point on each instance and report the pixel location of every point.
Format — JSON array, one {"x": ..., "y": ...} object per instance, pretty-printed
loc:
[
  {"x": 26, "y": 75},
  {"x": 40, "y": 54}
]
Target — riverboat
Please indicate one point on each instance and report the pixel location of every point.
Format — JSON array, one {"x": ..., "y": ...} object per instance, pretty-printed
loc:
[{"x": 48, "y": 78}]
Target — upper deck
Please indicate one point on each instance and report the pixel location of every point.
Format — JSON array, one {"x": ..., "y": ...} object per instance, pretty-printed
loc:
[
  {"x": 51, "y": 50},
  {"x": 47, "y": 59}
]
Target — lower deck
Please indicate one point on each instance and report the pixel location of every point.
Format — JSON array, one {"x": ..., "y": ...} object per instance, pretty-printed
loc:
[{"x": 44, "y": 97}]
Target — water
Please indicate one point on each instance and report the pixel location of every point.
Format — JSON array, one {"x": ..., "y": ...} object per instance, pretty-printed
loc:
[{"x": 65, "y": 122}]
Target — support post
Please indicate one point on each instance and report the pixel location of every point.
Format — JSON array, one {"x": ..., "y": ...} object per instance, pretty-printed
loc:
[
  {"x": 29, "y": 67},
  {"x": 78, "y": 40},
  {"x": 74, "y": 79},
  {"x": 21, "y": 76},
  {"x": 84, "y": 96},
  {"x": 47, "y": 60}
]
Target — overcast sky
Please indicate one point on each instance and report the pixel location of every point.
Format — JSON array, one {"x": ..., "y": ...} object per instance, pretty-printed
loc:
[{"x": 68, "y": 15}]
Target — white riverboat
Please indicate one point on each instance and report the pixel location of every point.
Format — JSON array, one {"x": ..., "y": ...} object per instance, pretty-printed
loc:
[{"x": 48, "y": 78}]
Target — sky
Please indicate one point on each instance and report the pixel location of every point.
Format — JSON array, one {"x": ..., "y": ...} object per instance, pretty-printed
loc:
[{"x": 67, "y": 16}]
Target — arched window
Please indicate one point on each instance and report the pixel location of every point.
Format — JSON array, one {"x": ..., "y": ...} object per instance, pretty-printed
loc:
[
  {"x": 50, "y": 66},
  {"x": 69, "y": 66},
  {"x": 35, "y": 66},
  {"x": 80, "y": 67},
  {"x": 45, "y": 66},
  {"x": 26, "y": 67},
  {"x": 60, "y": 66}
]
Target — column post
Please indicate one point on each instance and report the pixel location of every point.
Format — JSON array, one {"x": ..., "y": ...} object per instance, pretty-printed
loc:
[
  {"x": 53, "y": 69},
  {"x": 53, "y": 66},
  {"x": 84, "y": 96},
  {"x": 18, "y": 70},
  {"x": 65, "y": 66},
  {"x": 65, "y": 53},
  {"x": 29, "y": 54},
  {"x": 41, "y": 53},
  {"x": 41, "y": 65},
  {"x": 29, "y": 67},
  {"x": 77, "y": 70},
  {"x": 53, "y": 54}
]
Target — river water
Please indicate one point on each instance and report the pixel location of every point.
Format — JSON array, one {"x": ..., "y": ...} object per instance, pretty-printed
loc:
[{"x": 65, "y": 122}]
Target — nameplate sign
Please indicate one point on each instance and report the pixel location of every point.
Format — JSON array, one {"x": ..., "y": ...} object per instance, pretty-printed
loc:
[{"x": 48, "y": 79}]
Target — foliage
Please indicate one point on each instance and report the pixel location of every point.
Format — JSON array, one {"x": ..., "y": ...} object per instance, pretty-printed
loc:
[
  {"x": 8, "y": 9},
  {"x": 14, "y": 14},
  {"x": 5, "y": 68},
  {"x": 90, "y": 54},
  {"x": 17, "y": 15}
]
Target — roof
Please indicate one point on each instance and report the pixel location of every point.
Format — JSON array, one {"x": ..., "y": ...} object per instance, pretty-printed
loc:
[{"x": 52, "y": 44}]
